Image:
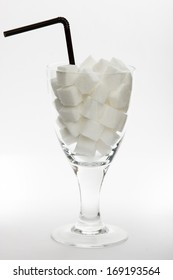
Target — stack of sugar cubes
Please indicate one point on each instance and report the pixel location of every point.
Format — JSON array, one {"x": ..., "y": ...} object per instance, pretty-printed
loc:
[{"x": 92, "y": 101}]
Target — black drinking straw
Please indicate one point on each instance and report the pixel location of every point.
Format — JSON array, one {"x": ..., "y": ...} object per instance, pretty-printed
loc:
[{"x": 62, "y": 20}]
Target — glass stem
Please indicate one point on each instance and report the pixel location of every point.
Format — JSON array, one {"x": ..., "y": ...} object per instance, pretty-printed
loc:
[{"x": 90, "y": 180}]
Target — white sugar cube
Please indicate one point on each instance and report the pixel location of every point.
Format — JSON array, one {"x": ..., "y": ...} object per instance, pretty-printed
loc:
[
  {"x": 70, "y": 114},
  {"x": 120, "y": 97},
  {"x": 111, "y": 117},
  {"x": 66, "y": 75},
  {"x": 101, "y": 65},
  {"x": 119, "y": 65},
  {"x": 74, "y": 127},
  {"x": 102, "y": 148},
  {"x": 85, "y": 146},
  {"x": 67, "y": 138},
  {"x": 113, "y": 79},
  {"x": 54, "y": 85},
  {"x": 91, "y": 109},
  {"x": 122, "y": 123},
  {"x": 59, "y": 122},
  {"x": 86, "y": 81},
  {"x": 112, "y": 70},
  {"x": 69, "y": 96},
  {"x": 92, "y": 129},
  {"x": 109, "y": 136},
  {"x": 88, "y": 63},
  {"x": 100, "y": 93},
  {"x": 68, "y": 68},
  {"x": 58, "y": 104}
]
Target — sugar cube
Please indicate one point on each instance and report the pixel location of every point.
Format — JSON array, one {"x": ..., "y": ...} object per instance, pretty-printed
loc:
[
  {"x": 67, "y": 138},
  {"x": 122, "y": 123},
  {"x": 54, "y": 85},
  {"x": 109, "y": 136},
  {"x": 111, "y": 117},
  {"x": 101, "y": 65},
  {"x": 74, "y": 127},
  {"x": 58, "y": 104},
  {"x": 68, "y": 68},
  {"x": 69, "y": 96},
  {"x": 100, "y": 93},
  {"x": 92, "y": 129},
  {"x": 85, "y": 146},
  {"x": 91, "y": 109},
  {"x": 86, "y": 81},
  {"x": 66, "y": 75},
  {"x": 70, "y": 114},
  {"x": 119, "y": 99},
  {"x": 88, "y": 63},
  {"x": 113, "y": 80},
  {"x": 60, "y": 122},
  {"x": 119, "y": 65},
  {"x": 102, "y": 148}
]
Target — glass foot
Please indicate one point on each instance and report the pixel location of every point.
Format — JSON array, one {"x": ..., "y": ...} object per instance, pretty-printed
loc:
[{"x": 113, "y": 235}]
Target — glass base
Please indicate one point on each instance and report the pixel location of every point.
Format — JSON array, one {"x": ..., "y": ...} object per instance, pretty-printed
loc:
[{"x": 112, "y": 236}]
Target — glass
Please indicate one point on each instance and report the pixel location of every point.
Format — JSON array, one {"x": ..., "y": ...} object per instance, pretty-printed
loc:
[{"x": 90, "y": 119}]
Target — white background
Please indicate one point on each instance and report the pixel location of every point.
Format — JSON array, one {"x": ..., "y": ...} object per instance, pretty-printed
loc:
[{"x": 38, "y": 190}]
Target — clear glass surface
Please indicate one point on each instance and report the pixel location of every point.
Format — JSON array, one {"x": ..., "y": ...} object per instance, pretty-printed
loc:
[{"x": 90, "y": 110}]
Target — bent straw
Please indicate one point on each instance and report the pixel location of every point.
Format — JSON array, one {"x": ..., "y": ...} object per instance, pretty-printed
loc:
[{"x": 62, "y": 20}]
